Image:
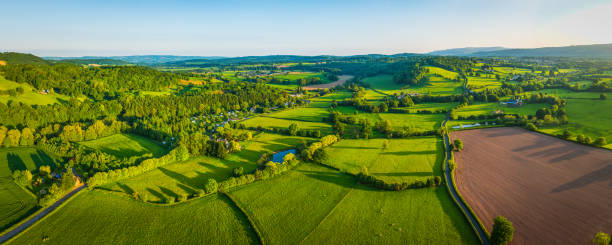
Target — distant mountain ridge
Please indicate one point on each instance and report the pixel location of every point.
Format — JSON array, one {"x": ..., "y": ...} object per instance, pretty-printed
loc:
[
  {"x": 464, "y": 51},
  {"x": 139, "y": 59},
  {"x": 21, "y": 58},
  {"x": 576, "y": 51}
]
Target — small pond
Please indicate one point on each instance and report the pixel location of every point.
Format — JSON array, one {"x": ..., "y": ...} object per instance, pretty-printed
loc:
[{"x": 278, "y": 157}]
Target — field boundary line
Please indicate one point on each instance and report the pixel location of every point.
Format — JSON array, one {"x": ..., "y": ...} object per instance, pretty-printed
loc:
[
  {"x": 470, "y": 215},
  {"x": 329, "y": 213},
  {"x": 251, "y": 221}
]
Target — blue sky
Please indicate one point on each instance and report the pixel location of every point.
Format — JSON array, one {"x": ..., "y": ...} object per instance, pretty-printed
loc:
[{"x": 239, "y": 28}]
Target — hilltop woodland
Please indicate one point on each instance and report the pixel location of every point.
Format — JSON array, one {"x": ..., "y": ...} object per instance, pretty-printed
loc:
[{"x": 215, "y": 109}]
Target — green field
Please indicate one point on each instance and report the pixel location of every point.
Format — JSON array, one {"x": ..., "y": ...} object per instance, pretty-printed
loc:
[
  {"x": 442, "y": 72},
  {"x": 382, "y": 82},
  {"x": 15, "y": 201},
  {"x": 482, "y": 83},
  {"x": 316, "y": 205},
  {"x": 126, "y": 145},
  {"x": 369, "y": 216},
  {"x": 437, "y": 85},
  {"x": 30, "y": 96},
  {"x": 584, "y": 113},
  {"x": 481, "y": 108},
  {"x": 308, "y": 114},
  {"x": 417, "y": 122},
  {"x": 405, "y": 160},
  {"x": 184, "y": 178},
  {"x": 98, "y": 217},
  {"x": 269, "y": 121}
]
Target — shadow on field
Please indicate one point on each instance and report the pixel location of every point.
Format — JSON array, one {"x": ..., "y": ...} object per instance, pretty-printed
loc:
[
  {"x": 15, "y": 162},
  {"x": 168, "y": 192},
  {"x": 505, "y": 133},
  {"x": 334, "y": 178},
  {"x": 419, "y": 174},
  {"x": 157, "y": 194},
  {"x": 407, "y": 153},
  {"x": 602, "y": 174},
  {"x": 122, "y": 152},
  {"x": 356, "y": 147},
  {"x": 125, "y": 188}
]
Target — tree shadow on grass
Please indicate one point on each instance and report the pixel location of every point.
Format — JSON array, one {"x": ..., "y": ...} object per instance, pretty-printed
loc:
[
  {"x": 599, "y": 175},
  {"x": 157, "y": 194},
  {"x": 168, "y": 192},
  {"x": 15, "y": 162},
  {"x": 336, "y": 178},
  {"x": 125, "y": 188}
]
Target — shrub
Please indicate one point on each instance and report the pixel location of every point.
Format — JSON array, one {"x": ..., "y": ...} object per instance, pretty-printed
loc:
[
  {"x": 458, "y": 144},
  {"x": 531, "y": 126},
  {"x": 601, "y": 141},
  {"x": 451, "y": 164},
  {"x": 601, "y": 239},
  {"x": 566, "y": 134},
  {"x": 239, "y": 171},
  {"x": 211, "y": 186},
  {"x": 580, "y": 138},
  {"x": 502, "y": 232}
]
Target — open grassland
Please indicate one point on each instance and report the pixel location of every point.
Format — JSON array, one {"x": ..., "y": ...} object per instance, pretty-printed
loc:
[
  {"x": 293, "y": 76},
  {"x": 98, "y": 217},
  {"x": 510, "y": 70},
  {"x": 437, "y": 85},
  {"x": 315, "y": 205},
  {"x": 553, "y": 191},
  {"x": 442, "y": 72},
  {"x": 369, "y": 216},
  {"x": 326, "y": 100},
  {"x": 30, "y": 96},
  {"x": 585, "y": 113},
  {"x": 405, "y": 160},
  {"x": 269, "y": 121},
  {"x": 185, "y": 178},
  {"x": 15, "y": 201},
  {"x": 382, "y": 82},
  {"x": 431, "y": 107},
  {"x": 126, "y": 145},
  {"x": 416, "y": 122},
  {"x": 479, "y": 108},
  {"x": 287, "y": 208},
  {"x": 307, "y": 114},
  {"x": 482, "y": 83}
]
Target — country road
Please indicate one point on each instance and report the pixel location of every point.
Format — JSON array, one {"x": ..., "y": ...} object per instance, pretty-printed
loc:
[
  {"x": 449, "y": 180},
  {"x": 37, "y": 217}
]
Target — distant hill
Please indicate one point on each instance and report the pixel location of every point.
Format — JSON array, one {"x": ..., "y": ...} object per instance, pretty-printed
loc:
[
  {"x": 464, "y": 51},
  {"x": 95, "y": 61},
  {"x": 20, "y": 58},
  {"x": 140, "y": 59},
  {"x": 586, "y": 51}
]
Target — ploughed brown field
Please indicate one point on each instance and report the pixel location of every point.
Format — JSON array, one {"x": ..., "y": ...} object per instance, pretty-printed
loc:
[{"x": 554, "y": 191}]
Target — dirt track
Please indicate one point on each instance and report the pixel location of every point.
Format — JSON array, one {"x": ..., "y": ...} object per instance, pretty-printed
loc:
[
  {"x": 341, "y": 80},
  {"x": 554, "y": 191}
]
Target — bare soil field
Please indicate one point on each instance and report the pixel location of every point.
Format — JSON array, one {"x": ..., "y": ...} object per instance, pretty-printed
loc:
[
  {"x": 341, "y": 80},
  {"x": 554, "y": 191}
]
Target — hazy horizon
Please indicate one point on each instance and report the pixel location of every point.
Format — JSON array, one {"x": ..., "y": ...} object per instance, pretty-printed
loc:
[{"x": 243, "y": 28}]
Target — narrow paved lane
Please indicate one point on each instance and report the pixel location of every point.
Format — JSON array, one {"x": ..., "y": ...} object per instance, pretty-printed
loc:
[
  {"x": 37, "y": 217},
  {"x": 449, "y": 180}
]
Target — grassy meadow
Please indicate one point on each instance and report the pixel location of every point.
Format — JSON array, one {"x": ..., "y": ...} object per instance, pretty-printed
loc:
[
  {"x": 481, "y": 108},
  {"x": 184, "y": 178},
  {"x": 411, "y": 159},
  {"x": 30, "y": 96},
  {"x": 126, "y": 145},
  {"x": 15, "y": 201},
  {"x": 100, "y": 217}
]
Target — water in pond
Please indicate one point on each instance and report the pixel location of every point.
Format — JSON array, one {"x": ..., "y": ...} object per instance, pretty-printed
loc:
[{"x": 278, "y": 157}]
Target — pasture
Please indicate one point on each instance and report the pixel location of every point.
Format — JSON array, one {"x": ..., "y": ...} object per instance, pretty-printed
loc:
[
  {"x": 382, "y": 82},
  {"x": 99, "y": 217},
  {"x": 126, "y": 145},
  {"x": 437, "y": 85},
  {"x": 531, "y": 179},
  {"x": 419, "y": 216},
  {"x": 481, "y": 108},
  {"x": 314, "y": 205},
  {"x": 15, "y": 201},
  {"x": 269, "y": 121},
  {"x": 185, "y": 178},
  {"x": 30, "y": 95},
  {"x": 405, "y": 160},
  {"x": 482, "y": 83}
]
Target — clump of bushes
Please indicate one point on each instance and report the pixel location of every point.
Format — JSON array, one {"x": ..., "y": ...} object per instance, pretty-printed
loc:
[{"x": 365, "y": 178}]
